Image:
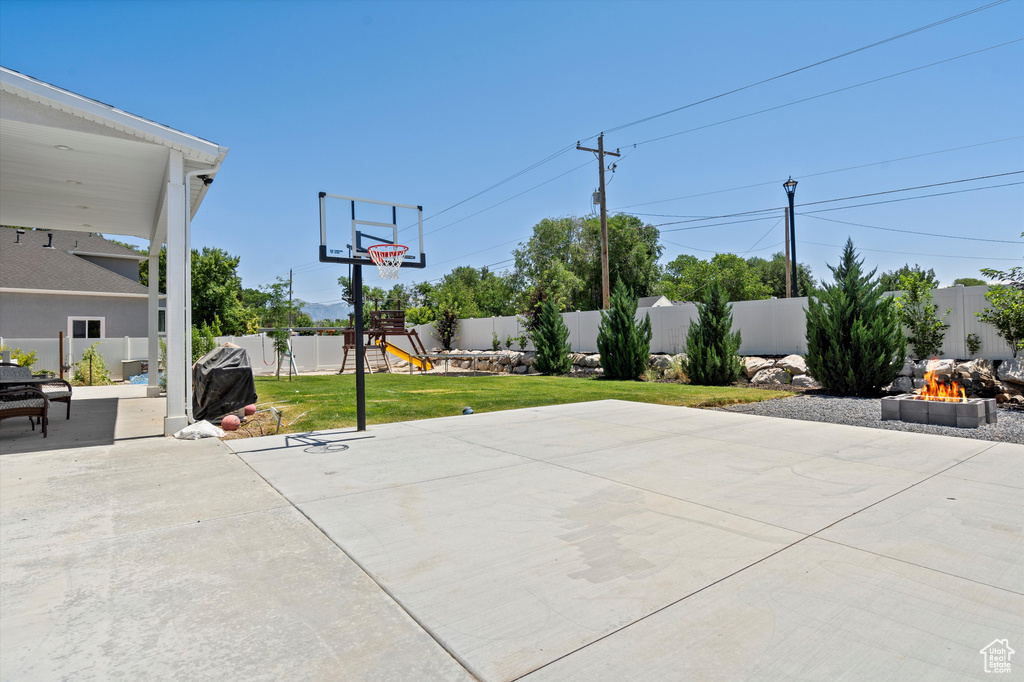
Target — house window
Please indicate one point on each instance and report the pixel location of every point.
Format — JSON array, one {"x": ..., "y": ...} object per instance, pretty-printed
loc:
[
  {"x": 86, "y": 327},
  {"x": 161, "y": 321}
]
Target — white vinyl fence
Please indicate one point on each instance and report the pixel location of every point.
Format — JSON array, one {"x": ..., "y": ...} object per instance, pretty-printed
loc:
[
  {"x": 768, "y": 327},
  {"x": 112, "y": 350},
  {"x": 310, "y": 353},
  {"x": 771, "y": 327}
]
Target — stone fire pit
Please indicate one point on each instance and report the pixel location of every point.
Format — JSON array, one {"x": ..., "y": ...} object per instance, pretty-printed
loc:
[{"x": 970, "y": 413}]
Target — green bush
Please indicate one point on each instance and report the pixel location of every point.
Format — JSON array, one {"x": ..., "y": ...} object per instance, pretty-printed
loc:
[
  {"x": 23, "y": 359},
  {"x": 973, "y": 344},
  {"x": 202, "y": 341},
  {"x": 495, "y": 343},
  {"x": 91, "y": 370},
  {"x": 855, "y": 343},
  {"x": 551, "y": 337},
  {"x": 624, "y": 345},
  {"x": 711, "y": 345},
  {"x": 920, "y": 316}
]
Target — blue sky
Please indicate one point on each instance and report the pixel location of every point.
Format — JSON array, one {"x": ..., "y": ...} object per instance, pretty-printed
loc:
[{"x": 429, "y": 103}]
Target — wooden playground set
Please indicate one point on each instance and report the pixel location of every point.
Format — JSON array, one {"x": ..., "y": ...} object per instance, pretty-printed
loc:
[{"x": 385, "y": 323}]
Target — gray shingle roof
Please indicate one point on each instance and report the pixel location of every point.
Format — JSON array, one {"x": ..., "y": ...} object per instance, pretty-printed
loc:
[
  {"x": 647, "y": 301},
  {"x": 28, "y": 265}
]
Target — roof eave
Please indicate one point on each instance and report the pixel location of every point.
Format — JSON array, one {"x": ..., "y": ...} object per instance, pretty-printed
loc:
[{"x": 193, "y": 148}]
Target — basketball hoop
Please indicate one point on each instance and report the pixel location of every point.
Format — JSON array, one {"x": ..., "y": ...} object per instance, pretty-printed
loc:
[{"x": 388, "y": 258}]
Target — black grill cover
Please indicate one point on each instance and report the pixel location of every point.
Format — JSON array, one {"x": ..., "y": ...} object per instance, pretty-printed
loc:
[{"x": 221, "y": 383}]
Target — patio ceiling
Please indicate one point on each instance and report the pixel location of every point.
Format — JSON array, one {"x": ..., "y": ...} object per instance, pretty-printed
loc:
[{"x": 71, "y": 163}]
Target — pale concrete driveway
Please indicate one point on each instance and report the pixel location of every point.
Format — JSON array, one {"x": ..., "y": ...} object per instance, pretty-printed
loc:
[
  {"x": 606, "y": 540},
  {"x": 614, "y": 540}
]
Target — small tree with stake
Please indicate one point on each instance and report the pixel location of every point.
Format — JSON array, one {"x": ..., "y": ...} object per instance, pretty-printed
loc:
[
  {"x": 624, "y": 345},
  {"x": 855, "y": 342},
  {"x": 920, "y": 316},
  {"x": 711, "y": 345},
  {"x": 551, "y": 337}
]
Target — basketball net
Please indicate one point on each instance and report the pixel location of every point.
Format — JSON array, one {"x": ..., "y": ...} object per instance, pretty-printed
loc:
[{"x": 388, "y": 259}]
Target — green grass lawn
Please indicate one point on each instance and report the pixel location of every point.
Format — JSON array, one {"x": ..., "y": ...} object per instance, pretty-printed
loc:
[{"x": 329, "y": 401}]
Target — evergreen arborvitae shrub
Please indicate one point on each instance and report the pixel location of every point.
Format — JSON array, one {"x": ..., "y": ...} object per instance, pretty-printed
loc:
[
  {"x": 551, "y": 337},
  {"x": 624, "y": 345},
  {"x": 855, "y": 342},
  {"x": 711, "y": 345}
]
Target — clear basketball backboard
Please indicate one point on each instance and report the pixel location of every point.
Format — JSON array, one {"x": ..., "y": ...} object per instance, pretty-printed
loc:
[{"x": 349, "y": 226}]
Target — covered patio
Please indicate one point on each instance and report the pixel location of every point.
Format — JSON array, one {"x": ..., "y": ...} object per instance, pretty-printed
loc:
[{"x": 72, "y": 163}]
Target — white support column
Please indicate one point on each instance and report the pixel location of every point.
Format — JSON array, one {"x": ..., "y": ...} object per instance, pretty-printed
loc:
[
  {"x": 153, "y": 387},
  {"x": 175, "y": 317}
]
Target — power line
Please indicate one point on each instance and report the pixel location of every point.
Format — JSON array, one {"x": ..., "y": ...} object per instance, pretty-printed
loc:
[
  {"x": 911, "y": 253},
  {"x": 923, "y": 196},
  {"x": 565, "y": 149},
  {"x": 825, "y": 94},
  {"x": 809, "y": 66},
  {"x": 909, "y": 189},
  {"x": 515, "y": 196},
  {"x": 927, "y": 234},
  {"x": 813, "y": 175},
  {"x": 515, "y": 175},
  {"x": 858, "y": 196}
]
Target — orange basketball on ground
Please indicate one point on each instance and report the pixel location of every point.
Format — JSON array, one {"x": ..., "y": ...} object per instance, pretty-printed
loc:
[
  {"x": 230, "y": 423},
  {"x": 250, "y": 410}
]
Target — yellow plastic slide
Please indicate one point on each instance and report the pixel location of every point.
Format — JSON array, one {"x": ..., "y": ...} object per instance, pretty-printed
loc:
[{"x": 415, "y": 362}]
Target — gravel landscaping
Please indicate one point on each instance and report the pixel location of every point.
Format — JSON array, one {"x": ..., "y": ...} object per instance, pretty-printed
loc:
[{"x": 868, "y": 412}]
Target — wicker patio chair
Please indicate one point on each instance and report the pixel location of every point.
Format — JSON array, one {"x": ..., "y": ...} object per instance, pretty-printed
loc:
[
  {"x": 56, "y": 390},
  {"x": 24, "y": 401}
]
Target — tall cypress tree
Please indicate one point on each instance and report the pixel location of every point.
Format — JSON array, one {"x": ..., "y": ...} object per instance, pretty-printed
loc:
[
  {"x": 625, "y": 346},
  {"x": 551, "y": 337},
  {"x": 855, "y": 342},
  {"x": 711, "y": 345}
]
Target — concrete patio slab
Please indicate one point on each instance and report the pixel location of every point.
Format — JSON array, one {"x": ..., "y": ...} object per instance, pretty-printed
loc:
[
  {"x": 610, "y": 540},
  {"x": 511, "y": 567},
  {"x": 304, "y": 477},
  {"x": 258, "y": 596},
  {"x": 817, "y": 611},
  {"x": 787, "y": 489},
  {"x": 100, "y": 415},
  {"x": 1000, "y": 464},
  {"x": 914, "y": 452},
  {"x": 73, "y": 496},
  {"x": 964, "y": 528}
]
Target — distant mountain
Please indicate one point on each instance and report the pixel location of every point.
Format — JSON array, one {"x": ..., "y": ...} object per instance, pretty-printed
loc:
[{"x": 334, "y": 311}]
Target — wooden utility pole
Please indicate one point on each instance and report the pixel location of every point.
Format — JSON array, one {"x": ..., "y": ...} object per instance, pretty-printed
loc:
[
  {"x": 789, "y": 277},
  {"x": 601, "y": 153}
]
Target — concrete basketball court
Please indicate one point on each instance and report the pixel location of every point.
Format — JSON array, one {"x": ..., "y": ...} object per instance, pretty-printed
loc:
[
  {"x": 617, "y": 540},
  {"x": 595, "y": 541}
]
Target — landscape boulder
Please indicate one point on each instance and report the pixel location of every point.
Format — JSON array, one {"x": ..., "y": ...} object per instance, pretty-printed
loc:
[
  {"x": 773, "y": 376},
  {"x": 1012, "y": 370},
  {"x": 942, "y": 368},
  {"x": 908, "y": 368},
  {"x": 753, "y": 364},
  {"x": 794, "y": 364},
  {"x": 661, "y": 361},
  {"x": 807, "y": 381},
  {"x": 902, "y": 384}
]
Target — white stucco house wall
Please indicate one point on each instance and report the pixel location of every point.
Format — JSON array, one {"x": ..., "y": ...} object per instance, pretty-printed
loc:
[{"x": 78, "y": 283}]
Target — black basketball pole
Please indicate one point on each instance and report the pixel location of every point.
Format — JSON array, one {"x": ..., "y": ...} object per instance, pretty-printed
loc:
[{"x": 357, "y": 293}]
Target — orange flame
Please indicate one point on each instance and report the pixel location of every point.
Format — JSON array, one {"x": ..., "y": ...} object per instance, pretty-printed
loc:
[{"x": 936, "y": 389}]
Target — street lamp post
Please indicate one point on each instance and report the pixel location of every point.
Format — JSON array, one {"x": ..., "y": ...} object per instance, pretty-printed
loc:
[{"x": 790, "y": 186}]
